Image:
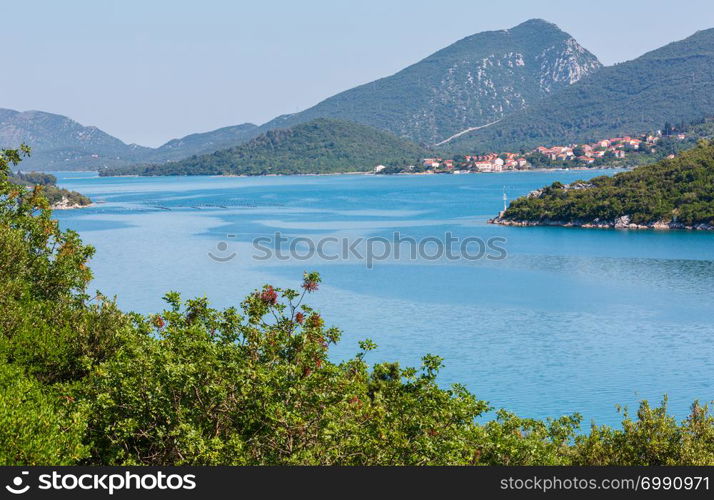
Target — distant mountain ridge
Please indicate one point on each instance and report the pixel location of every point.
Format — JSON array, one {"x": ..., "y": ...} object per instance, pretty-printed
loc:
[
  {"x": 494, "y": 91},
  {"x": 674, "y": 83},
  {"x": 321, "y": 146},
  {"x": 204, "y": 142},
  {"x": 60, "y": 143},
  {"x": 472, "y": 82}
]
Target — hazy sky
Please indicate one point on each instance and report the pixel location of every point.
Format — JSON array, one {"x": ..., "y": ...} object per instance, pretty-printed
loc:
[{"x": 150, "y": 70}]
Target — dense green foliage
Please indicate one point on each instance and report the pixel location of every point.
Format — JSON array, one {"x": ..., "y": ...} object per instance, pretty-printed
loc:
[
  {"x": 678, "y": 190},
  {"x": 674, "y": 83},
  {"x": 38, "y": 427},
  {"x": 33, "y": 178},
  {"x": 320, "y": 146},
  {"x": 83, "y": 383},
  {"x": 474, "y": 81},
  {"x": 47, "y": 183}
]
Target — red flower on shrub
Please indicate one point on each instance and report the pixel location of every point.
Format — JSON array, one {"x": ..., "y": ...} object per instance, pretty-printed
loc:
[
  {"x": 300, "y": 318},
  {"x": 310, "y": 286},
  {"x": 269, "y": 296},
  {"x": 311, "y": 282}
]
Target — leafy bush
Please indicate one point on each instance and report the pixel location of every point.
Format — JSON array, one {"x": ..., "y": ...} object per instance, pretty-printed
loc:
[
  {"x": 38, "y": 425},
  {"x": 654, "y": 438}
]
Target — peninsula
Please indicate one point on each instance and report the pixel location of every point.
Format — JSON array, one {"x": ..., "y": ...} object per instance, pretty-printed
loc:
[{"x": 675, "y": 193}]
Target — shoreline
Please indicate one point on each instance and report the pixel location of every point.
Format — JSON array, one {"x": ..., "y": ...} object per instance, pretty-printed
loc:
[
  {"x": 264, "y": 175},
  {"x": 621, "y": 223},
  {"x": 76, "y": 206},
  {"x": 528, "y": 170},
  {"x": 370, "y": 173}
]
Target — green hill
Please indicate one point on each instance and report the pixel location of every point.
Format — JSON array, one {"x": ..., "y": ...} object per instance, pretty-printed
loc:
[
  {"x": 674, "y": 83},
  {"x": 320, "y": 146},
  {"x": 58, "y": 197},
  {"x": 475, "y": 81},
  {"x": 675, "y": 193}
]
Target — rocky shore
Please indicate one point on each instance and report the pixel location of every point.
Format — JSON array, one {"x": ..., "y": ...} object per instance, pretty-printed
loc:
[
  {"x": 619, "y": 223},
  {"x": 67, "y": 204}
]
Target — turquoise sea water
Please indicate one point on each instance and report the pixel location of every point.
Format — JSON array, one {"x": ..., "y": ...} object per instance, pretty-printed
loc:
[{"x": 571, "y": 320}]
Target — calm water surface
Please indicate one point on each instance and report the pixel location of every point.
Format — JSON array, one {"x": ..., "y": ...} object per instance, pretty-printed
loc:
[{"x": 572, "y": 320}]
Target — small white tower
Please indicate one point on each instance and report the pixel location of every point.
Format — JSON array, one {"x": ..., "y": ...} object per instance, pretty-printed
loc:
[{"x": 505, "y": 199}]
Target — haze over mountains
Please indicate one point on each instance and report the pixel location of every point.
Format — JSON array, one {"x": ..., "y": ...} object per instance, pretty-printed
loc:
[
  {"x": 470, "y": 83},
  {"x": 60, "y": 143},
  {"x": 509, "y": 89},
  {"x": 205, "y": 142}
]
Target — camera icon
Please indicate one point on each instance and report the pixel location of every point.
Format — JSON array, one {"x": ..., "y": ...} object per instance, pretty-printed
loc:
[
  {"x": 17, "y": 488},
  {"x": 222, "y": 253}
]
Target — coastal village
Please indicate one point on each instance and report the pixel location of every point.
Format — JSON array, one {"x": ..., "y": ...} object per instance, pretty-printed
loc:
[{"x": 573, "y": 156}]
